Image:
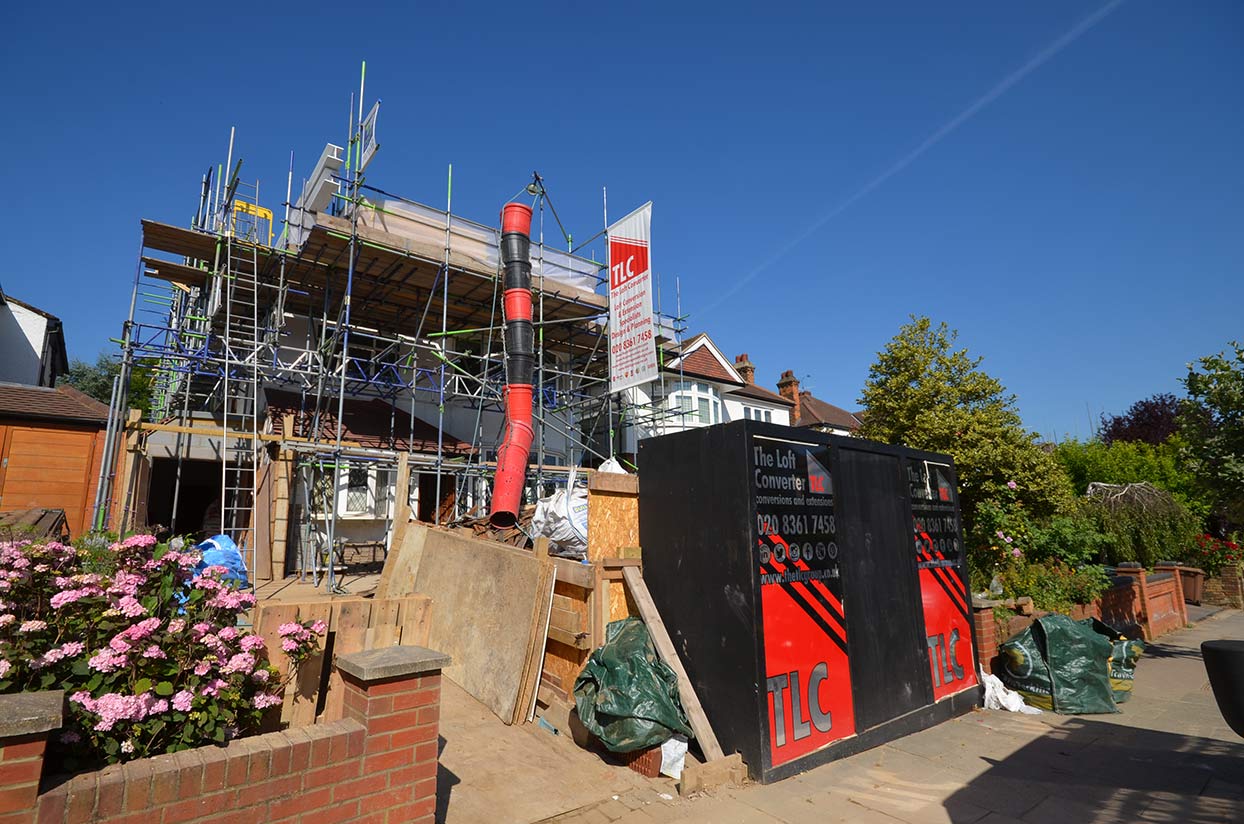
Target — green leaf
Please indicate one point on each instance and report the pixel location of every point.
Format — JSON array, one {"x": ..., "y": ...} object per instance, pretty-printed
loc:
[
  {"x": 142, "y": 685},
  {"x": 80, "y": 666},
  {"x": 94, "y": 683},
  {"x": 219, "y": 735},
  {"x": 164, "y": 688}
]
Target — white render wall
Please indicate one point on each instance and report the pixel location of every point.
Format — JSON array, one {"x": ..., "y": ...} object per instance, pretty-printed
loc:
[{"x": 22, "y": 334}]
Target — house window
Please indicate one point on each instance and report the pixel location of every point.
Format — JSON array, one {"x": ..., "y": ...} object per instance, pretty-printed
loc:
[
  {"x": 698, "y": 402},
  {"x": 753, "y": 414},
  {"x": 356, "y": 490}
]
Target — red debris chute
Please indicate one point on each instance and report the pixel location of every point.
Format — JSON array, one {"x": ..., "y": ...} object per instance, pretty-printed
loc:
[{"x": 515, "y": 449}]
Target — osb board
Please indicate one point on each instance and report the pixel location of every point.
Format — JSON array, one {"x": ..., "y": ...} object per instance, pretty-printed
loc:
[
  {"x": 612, "y": 523},
  {"x": 492, "y": 606},
  {"x": 563, "y": 663},
  {"x": 621, "y": 604}
]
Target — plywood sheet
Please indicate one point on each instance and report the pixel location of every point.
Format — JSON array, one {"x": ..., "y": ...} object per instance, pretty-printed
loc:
[
  {"x": 400, "y": 565},
  {"x": 352, "y": 618},
  {"x": 486, "y": 596}
]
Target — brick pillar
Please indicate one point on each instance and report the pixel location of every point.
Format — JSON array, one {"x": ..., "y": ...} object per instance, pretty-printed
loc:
[
  {"x": 986, "y": 634},
  {"x": 26, "y": 720},
  {"x": 1137, "y": 573},
  {"x": 1173, "y": 568},
  {"x": 395, "y": 692}
]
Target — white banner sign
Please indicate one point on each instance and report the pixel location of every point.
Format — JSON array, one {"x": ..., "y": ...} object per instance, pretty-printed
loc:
[{"x": 632, "y": 333}]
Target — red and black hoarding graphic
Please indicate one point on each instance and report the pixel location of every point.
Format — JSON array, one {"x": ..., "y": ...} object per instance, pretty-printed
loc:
[
  {"x": 939, "y": 560},
  {"x": 807, "y": 677}
]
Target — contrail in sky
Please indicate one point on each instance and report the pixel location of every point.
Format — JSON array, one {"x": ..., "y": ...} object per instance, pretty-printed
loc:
[{"x": 1002, "y": 87}]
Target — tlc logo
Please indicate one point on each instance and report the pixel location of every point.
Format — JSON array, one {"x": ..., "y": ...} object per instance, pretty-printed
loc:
[{"x": 630, "y": 260}]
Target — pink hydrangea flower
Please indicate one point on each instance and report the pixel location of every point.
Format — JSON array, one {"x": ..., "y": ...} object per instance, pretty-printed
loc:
[
  {"x": 202, "y": 668},
  {"x": 130, "y": 607},
  {"x": 7, "y": 618},
  {"x": 176, "y": 625},
  {"x": 32, "y": 626},
  {"x": 183, "y": 700},
  {"x": 106, "y": 660},
  {"x": 262, "y": 700},
  {"x": 243, "y": 662},
  {"x": 228, "y": 633},
  {"x": 5, "y": 666},
  {"x": 250, "y": 643},
  {"x": 261, "y": 675},
  {"x": 154, "y": 652}
]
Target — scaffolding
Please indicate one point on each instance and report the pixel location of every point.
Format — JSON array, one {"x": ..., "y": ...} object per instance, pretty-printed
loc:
[{"x": 364, "y": 295}]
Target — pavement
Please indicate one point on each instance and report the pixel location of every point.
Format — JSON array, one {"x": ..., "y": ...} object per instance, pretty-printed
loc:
[{"x": 1166, "y": 757}]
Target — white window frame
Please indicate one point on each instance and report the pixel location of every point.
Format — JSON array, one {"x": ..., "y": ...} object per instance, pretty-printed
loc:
[{"x": 692, "y": 397}]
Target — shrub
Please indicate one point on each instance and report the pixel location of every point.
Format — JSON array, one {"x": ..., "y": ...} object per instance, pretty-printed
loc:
[
  {"x": 1054, "y": 586},
  {"x": 998, "y": 537},
  {"x": 149, "y": 654},
  {"x": 1213, "y": 554},
  {"x": 1144, "y": 524},
  {"x": 1073, "y": 539}
]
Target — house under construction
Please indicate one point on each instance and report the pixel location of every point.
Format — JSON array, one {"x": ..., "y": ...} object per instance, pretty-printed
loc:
[{"x": 317, "y": 373}]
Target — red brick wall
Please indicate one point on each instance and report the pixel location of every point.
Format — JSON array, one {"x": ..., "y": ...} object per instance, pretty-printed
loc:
[
  {"x": 1225, "y": 589},
  {"x": 377, "y": 765},
  {"x": 986, "y": 637}
]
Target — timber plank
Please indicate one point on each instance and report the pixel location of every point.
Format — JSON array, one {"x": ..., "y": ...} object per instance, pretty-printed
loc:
[
  {"x": 353, "y": 616},
  {"x": 306, "y": 685},
  {"x": 415, "y": 620}
]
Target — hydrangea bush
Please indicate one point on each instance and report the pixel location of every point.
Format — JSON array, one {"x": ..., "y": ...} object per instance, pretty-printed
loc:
[{"x": 150, "y": 655}]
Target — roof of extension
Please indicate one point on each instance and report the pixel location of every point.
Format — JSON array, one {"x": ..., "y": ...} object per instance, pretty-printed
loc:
[{"x": 64, "y": 403}]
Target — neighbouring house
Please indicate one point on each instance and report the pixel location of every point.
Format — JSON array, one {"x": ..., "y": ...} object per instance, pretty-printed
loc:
[
  {"x": 32, "y": 344},
  {"x": 51, "y": 446},
  {"x": 814, "y": 413},
  {"x": 698, "y": 386}
]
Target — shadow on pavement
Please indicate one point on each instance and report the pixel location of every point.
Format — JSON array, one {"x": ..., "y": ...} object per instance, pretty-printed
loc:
[{"x": 1092, "y": 772}]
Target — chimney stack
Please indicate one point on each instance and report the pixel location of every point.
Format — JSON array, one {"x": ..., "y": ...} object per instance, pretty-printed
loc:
[
  {"x": 746, "y": 370},
  {"x": 788, "y": 387}
]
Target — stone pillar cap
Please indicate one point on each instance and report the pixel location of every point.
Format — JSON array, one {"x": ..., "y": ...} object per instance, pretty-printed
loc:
[{"x": 392, "y": 662}]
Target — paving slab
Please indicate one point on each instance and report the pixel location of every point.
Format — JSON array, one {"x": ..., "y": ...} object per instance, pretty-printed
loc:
[{"x": 1166, "y": 757}]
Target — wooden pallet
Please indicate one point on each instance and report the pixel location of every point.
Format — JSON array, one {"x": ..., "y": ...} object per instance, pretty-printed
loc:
[{"x": 354, "y": 624}]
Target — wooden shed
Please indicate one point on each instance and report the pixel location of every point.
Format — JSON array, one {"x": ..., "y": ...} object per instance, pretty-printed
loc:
[{"x": 51, "y": 445}]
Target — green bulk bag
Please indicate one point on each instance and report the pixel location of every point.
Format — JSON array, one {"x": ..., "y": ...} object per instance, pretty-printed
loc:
[
  {"x": 626, "y": 695},
  {"x": 1124, "y": 653},
  {"x": 1058, "y": 664}
]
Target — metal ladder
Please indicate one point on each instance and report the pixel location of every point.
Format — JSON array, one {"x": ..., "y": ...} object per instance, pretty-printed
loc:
[{"x": 240, "y": 445}]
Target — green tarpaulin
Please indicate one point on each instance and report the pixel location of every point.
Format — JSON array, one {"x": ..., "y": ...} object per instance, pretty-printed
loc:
[{"x": 626, "y": 695}]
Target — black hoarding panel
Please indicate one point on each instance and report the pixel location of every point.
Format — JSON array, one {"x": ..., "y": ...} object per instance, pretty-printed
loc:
[
  {"x": 813, "y": 585},
  {"x": 804, "y": 626},
  {"x": 700, "y": 570},
  {"x": 888, "y": 650}
]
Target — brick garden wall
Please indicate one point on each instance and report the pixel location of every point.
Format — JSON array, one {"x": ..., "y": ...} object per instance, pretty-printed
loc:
[
  {"x": 1225, "y": 589},
  {"x": 376, "y": 765},
  {"x": 1138, "y": 605}
]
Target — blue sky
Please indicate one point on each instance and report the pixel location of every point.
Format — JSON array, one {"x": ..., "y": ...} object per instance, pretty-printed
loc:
[{"x": 1060, "y": 181}]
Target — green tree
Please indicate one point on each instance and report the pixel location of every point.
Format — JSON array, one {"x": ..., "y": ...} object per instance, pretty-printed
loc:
[
  {"x": 95, "y": 379},
  {"x": 922, "y": 392},
  {"x": 1212, "y": 424},
  {"x": 1129, "y": 462}
]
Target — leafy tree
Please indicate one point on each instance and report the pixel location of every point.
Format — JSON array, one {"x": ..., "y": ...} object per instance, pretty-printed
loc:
[
  {"x": 1212, "y": 424},
  {"x": 1150, "y": 421},
  {"x": 1129, "y": 462},
  {"x": 924, "y": 393},
  {"x": 95, "y": 379}
]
